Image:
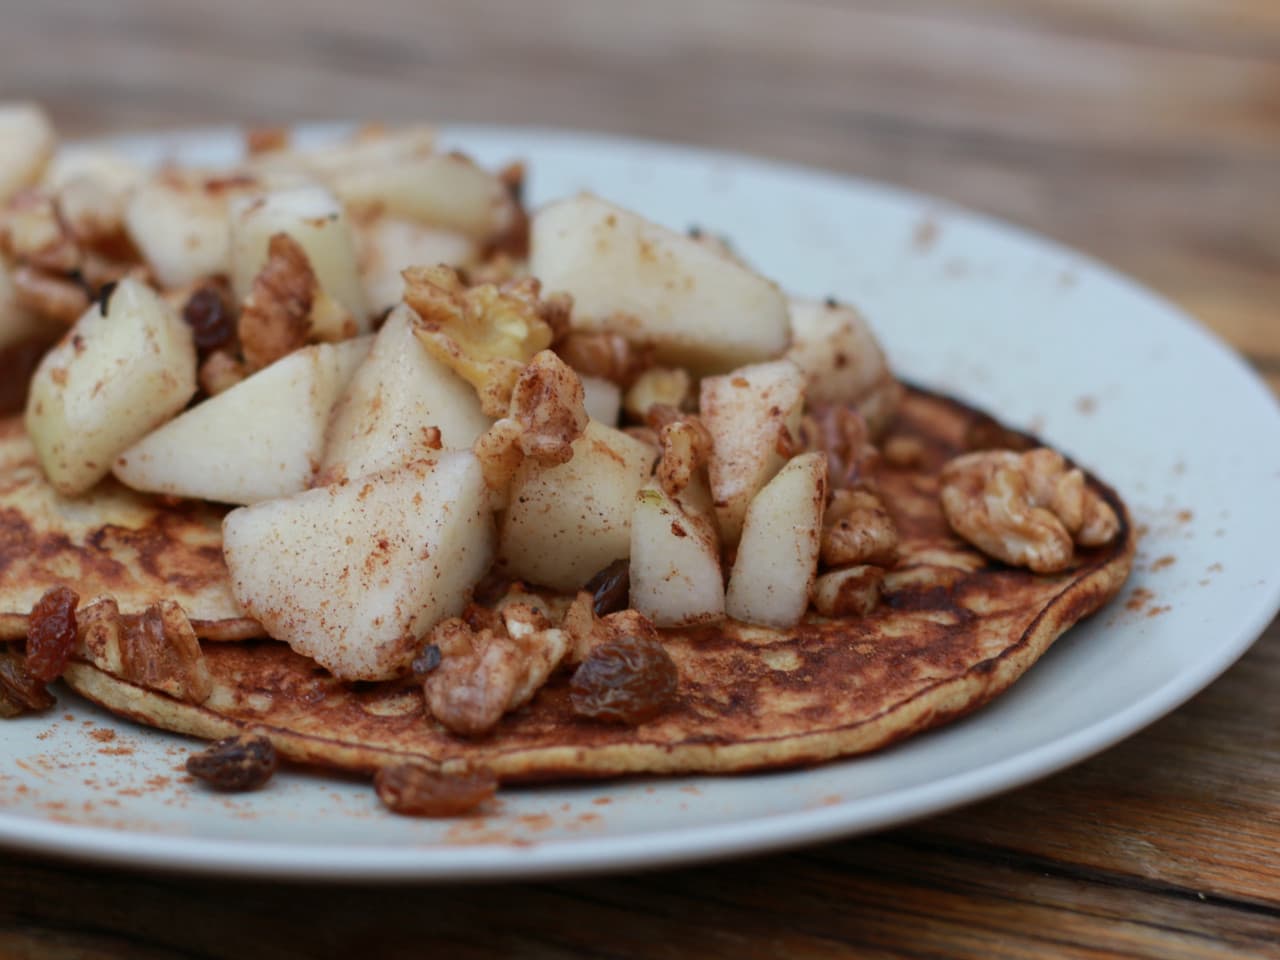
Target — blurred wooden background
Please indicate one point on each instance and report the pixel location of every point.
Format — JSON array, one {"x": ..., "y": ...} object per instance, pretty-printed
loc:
[{"x": 1145, "y": 132}]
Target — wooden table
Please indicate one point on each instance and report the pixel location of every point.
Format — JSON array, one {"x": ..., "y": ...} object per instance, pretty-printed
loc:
[{"x": 1145, "y": 132}]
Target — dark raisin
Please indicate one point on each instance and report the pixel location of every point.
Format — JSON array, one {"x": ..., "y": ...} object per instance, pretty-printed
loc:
[
  {"x": 51, "y": 633},
  {"x": 210, "y": 320},
  {"x": 427, "y": 661},
  {"x": 419, "y": 791},
  {"x": 611, "y": 588},
  {"x": 235, "y": 764},
  {"x": 493, "y": 586},
  {"x": 627, "y": 680},
  {"x": 104, "y": 296},
  {"x": 20, "y": 692}
]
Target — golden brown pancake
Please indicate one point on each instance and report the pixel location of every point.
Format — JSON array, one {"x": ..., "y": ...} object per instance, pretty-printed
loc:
[
  {"x": 109, "y": 542},
  {"x": 954, "y": 630}
]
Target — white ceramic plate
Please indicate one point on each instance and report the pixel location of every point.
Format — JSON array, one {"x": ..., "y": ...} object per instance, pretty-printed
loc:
[{"x": 1036, "y": 333}]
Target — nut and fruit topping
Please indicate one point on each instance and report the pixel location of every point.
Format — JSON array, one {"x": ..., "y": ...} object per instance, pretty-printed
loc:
[
  {"x": 627, "y": 680},
  {"x": 51, "y": 633},
  {"x": 415, "y": 790}
]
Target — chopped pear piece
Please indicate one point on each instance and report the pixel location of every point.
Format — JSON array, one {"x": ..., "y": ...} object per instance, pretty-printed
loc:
[
  {"x": 112, "y": 379},
  {"x": 842, "y": 360},
  {"x": 257, "y": 440},
  {"x": 388, "y": 246},
  {"x": 445, "y": 190},
  {"x": 603, "y": 400},
  {"x": 675, "y": 563},
  {"x": 27, "y": 141},
  {"x": 353, "y": 575},
  {"x": 750, "y": 413},
  {"x": 566, "y": 523},
  {"x": 180, "y": 227},
  {"x": 398, "y": 392},
  {"x": 367, "y": 148},
  {"x": 312, "y": 216},
  {"x": 699, "y": 308},
  {"x": 777, "y": 561}
]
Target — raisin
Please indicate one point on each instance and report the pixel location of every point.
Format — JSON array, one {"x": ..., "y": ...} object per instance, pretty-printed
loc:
[
  {"x": 419, "y": 791},
  {"x": 427, "y": 661},
  {"x": 235, "y": 764},
  {"x": 210, "y": 320},
  {"x": 611, "y": 588},
  {"x": 51, "y": 633},
  {"x": 627, "y": 680},
  {"x": 493, "y": 586},
  {"x": 20, "y": 692}
]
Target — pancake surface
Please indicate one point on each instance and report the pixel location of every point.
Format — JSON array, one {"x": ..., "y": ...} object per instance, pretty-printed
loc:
[
  {"x": 954, "y": 630},
  {"x": 109, "y": 542}
]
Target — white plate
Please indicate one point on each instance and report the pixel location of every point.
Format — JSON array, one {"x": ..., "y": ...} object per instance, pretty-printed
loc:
[{"x": 1039, "y": 334}]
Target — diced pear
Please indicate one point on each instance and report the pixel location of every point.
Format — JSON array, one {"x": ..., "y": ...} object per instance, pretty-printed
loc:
[
  {"x": 27, "y": 142},
  {"x": 443, "y": 190},
  {"x": 114, "y": 171},
  {"x": 111, "y": 380},
  {"x": 566, "y": 523},
  {"x": 777, "y": 559},
  {"x": 675, "y": 564},
  {"x": 312, "y": 216},
  {"x": 16, "y": 322},
  {"x": 257, "y": 440},
  {"x": 603, "y": 400},
  {"x": 387, "y": 246},
  {"x": 699, "y": 308},
  {"x": 365, "y": 149},
  {"x": 353, "y": 575},
  {"x": 841, "y": 359},
  {"x": 397, "y": 393},
  {"x": 180, "y": 227},
  {"x": 746, "y": 412}
]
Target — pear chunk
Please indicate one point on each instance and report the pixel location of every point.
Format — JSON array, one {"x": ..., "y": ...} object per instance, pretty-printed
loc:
[
  {"x": 749, "y": 414},
  {"x": 112, "y": 379},
  {"x": 777, "y": 560},
  {"x": 180, "y": 227},
  {"x": 387, "y": 246},
  {"x": 565, "y": 523},
  {"x": 699, "y": 308},
  {"x": 398, "y": 392},
  {"x": 257, "y": 440},
  {"x": 353, "y": 575},
  {"x": 603, "y": 400},
  {"x": 27, "y": 142},
  {"x": 312, "y": 216},
  {"x": 675, "y": 563}
]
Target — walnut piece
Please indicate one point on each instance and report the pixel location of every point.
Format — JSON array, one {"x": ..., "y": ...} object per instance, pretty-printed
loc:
[
  {"x": 609, "y": 356},
  {"x": 156, "y": 648},
  {"x": 48, "y": 295},
  {"x": 850, "y": 592},
  {"x": 686, "y": 447},
  {"x": 1025, "y": 509},
  {"x": 669, "y": 386},
  {"x": 220, "y": 371},
  {"x": 33, "y": 233},
  {"x": 485, "y": 334},
  {"x": 548, "y": 402},
  {"x": 842, "y": 434},
  {"x": 276, "y": 318},
  {"x": 490, "y": 667},
  {"x": 857, "y": 529},
  {"x": 500, "y": 455}
]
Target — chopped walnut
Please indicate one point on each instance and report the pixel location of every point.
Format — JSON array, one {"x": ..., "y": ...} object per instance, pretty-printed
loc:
[
  {"x": 849, "y": 592},
  {"x": 220, "y": 371},
  {"x": 586, "y": 630},
  {"x": 34, "y": 234},
  {"x": 485, "y": 672},
  {"x": 857, "y": 529},
  {"x": 485, "y": 334},
  {"x": 276, "y": 320},
  {"x": 686, "y": 447},
  {"x": 57, "y": 298},
  {"x": 1025, "y": 509},
  {"x": 548, "y": 403},
  {"x": 841, "y": 433},
  {"x": 498, "y": 269},
  {"x": 500, "y": 455},
  {"x": 666, "y": 386},
  {"x": 609, "y": 356},
  {"x": 156, "y": 649}
]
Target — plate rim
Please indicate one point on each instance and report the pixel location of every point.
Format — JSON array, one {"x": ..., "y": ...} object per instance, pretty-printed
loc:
[{"x": 679, "y": 846}]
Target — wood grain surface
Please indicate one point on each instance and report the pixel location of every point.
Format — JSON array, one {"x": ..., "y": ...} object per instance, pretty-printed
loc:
[{"x": 1146, "y": 133}]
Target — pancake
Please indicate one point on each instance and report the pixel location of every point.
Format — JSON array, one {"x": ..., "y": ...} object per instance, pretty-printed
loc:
[
  {"x": 108, "y": 542},
  {"x": 953, "y": 630}
]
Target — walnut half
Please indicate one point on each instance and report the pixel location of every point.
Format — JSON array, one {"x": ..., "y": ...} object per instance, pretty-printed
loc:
[{"x": 1025, "y": 509}]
